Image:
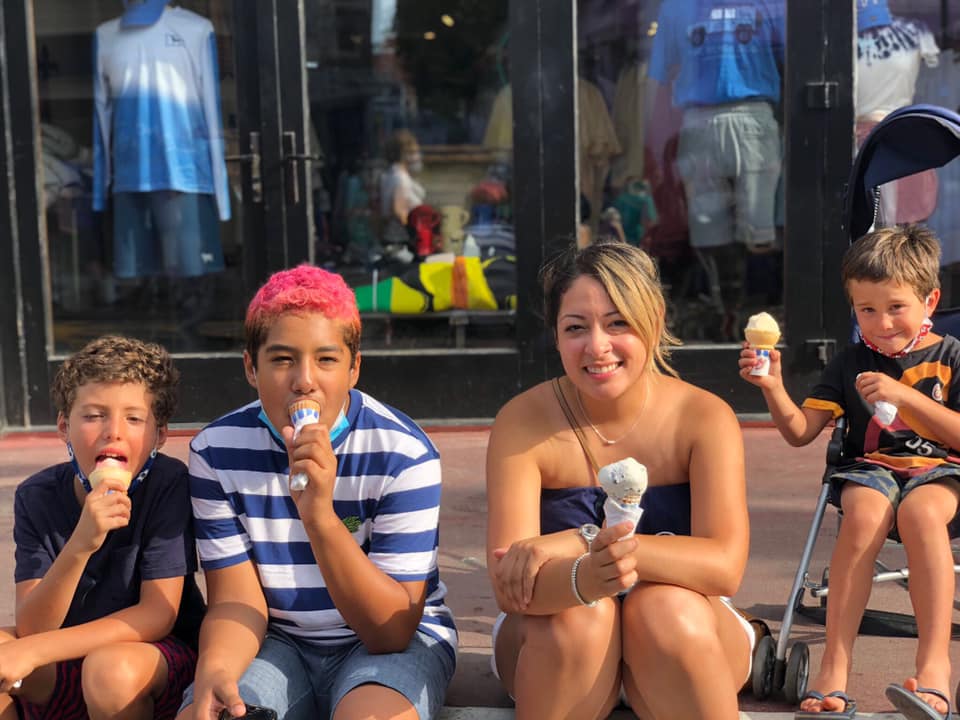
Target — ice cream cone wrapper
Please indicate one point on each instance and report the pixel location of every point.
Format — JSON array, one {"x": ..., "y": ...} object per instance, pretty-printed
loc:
[
  {"x": 762, "y": 366},
  {"x": 616, "y": 512}
]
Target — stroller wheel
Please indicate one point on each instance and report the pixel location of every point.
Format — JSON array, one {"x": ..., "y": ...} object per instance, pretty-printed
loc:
[
  {"x": 798, "y": 670},
  {"x": 762, "y": 674}
]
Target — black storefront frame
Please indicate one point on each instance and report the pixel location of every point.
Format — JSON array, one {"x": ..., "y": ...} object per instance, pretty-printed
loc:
[{"x": 450, "y": 384}]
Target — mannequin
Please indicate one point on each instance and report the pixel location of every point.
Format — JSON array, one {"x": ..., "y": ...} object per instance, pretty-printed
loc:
[
  {"x": 724, "y": 63},
  {"x": 158, "y": 142},
  {"x": 890, "y": 52}
]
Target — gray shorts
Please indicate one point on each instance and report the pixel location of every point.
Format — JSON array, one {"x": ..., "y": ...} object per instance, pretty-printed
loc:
[
  {"x": 729, "y": 159},
  {"x": 305, "y": 681},
  {"x": 895, "y": 487}
]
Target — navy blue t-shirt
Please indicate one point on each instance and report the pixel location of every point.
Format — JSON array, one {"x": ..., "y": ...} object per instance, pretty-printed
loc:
[{"x": 157, "y": 543}]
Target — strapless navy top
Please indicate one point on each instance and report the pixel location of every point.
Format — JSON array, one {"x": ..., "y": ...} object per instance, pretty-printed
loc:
[{"x": 666, "y": 508}]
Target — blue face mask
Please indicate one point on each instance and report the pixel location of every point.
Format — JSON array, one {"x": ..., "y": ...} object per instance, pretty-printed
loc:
[{"x": 134, "y": 484}]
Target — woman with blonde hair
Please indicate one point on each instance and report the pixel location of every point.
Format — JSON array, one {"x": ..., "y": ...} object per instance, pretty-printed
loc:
[{"x": 587, "y": 619}]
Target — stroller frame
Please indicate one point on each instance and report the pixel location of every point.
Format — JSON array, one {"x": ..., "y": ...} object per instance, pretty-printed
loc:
[{"x": 909, "y": 140}]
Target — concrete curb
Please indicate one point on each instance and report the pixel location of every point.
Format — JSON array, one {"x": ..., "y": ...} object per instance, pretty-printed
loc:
[{"x": 482, "y": 713}]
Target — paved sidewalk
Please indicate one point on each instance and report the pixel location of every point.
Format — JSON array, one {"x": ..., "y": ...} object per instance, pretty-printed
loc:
[{"x": 783, "y": 483}]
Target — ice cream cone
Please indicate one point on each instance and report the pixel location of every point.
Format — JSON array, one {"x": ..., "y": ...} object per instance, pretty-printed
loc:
[
  {"x": 624, "y": 481},
  {"x": 302, "y": 413},
  {"x": 110, "y": 469},
  {"x": 762, "y": 331},
  {"x": 762, "y": 339}
]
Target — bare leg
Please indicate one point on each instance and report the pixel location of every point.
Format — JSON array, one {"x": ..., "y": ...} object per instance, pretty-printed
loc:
[
  {"x": 867, "y": 517},
  {"x": 922, "y": 521},
  {"x": 37, "y": 687},
  {"x": 565, "y": 665},
  {"x": 689, "y": 662},
  {"x": 374, "y": 702},
  {"x": 123, "y": 681}
]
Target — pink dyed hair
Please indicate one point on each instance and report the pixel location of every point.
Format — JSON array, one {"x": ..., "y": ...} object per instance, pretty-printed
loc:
[{"x": 299, "y": 290}]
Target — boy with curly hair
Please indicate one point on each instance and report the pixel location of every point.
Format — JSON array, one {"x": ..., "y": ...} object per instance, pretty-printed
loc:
[{"x": 107, "y": 610}]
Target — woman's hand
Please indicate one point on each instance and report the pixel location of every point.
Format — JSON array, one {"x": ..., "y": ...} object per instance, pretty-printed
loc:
[
  {"x": 516, "y": 573},
  {"x": 611, "y": 566}
]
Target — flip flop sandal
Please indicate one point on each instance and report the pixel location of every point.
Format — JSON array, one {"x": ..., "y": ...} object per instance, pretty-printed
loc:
[
  {"x": 848, "y": 713},
  {"x": 912, "y": 707}
]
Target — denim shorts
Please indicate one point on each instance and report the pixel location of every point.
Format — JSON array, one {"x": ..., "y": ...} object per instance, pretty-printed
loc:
[
  {"x": 305, "y": 681},
  {"x": 894, "y": 486}
]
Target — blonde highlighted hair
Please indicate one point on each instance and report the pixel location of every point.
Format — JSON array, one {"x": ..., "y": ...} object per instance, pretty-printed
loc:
[{"x": 631, "y": 279}]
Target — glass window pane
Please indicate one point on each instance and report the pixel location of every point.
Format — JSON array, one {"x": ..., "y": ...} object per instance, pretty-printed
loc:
[
  {"x": 137, "y": 112},
  {"x": 680, "y": 118},
  {"x": 906, "y": 54},
  {"x": 410, "y": 105}
]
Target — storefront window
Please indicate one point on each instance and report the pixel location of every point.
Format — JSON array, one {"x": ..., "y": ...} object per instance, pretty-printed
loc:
[
  {"x": 137, "y": 112},
  {"x": 410, "y": 106},
  {"x": 680, "y": 141},
  {"x": 906, "y": 54}
]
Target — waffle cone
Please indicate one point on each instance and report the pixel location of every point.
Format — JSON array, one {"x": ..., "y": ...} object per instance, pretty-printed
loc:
[{"x": 307, "y": 405}]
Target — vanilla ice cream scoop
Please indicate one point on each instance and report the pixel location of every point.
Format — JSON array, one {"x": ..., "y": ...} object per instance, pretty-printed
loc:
[
  {"x": 624, "y": 481},
  {"x": 110, "y": 468},
  {"x": 762, "y": 330}
]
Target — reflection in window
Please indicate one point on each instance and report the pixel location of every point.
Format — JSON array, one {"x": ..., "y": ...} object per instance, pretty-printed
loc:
[
  {"x": 680, "y": 149},
  {"x": 413, "y": 202},
  {"x": 136, "y": 189}
]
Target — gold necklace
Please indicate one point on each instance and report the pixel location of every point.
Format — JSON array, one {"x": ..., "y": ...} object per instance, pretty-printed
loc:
[{"x": 603, "y": 438}]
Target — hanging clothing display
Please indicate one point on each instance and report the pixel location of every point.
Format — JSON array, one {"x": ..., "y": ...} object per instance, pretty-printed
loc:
[
  {"x": 889, "y": 58},
  {"x": 597, "y": 139},
  {"x": 158, "y": 129},
  {"x": 629, "y": 112}
]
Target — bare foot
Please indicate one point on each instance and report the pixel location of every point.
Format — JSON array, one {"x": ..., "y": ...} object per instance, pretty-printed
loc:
[
  {"x": 824, "y": 683},
  {"x": 933, "y": 701}
]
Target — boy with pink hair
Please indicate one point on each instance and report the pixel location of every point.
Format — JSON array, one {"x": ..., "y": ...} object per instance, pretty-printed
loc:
[{"x": 324, "y": 601}]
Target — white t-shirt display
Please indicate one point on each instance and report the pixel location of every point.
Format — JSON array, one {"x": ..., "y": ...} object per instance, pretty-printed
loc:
[{"x": 888, "y": 62}]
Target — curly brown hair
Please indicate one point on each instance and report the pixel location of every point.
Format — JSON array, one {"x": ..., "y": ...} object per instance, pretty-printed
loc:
[{"x": 118, "y": 359}]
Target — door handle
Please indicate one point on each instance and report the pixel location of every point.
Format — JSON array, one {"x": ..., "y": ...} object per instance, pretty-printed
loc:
[
  {"x": 291, "y": 162},
  {"x": 252, "y": 159}
]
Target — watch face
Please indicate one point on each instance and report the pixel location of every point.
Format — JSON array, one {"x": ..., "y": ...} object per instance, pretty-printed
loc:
[{"x": 589, "y": 531}]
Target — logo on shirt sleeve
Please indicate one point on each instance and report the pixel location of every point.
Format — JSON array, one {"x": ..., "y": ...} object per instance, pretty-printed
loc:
[{"x": 174, "y": 40}]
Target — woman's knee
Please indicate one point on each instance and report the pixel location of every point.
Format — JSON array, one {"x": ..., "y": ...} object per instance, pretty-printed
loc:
[
  {"x": 571, "y": 632},
  {"x": 690, "y": 622}
]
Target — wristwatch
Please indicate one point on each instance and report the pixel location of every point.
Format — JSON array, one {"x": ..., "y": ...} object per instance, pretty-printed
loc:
[{"x": 589, "y": 532}]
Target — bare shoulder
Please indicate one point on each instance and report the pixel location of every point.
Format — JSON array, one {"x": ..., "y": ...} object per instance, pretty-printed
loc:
[
  {"x": 527, "y": 425},
  {"x": 693, "y": 409},
  {"x": 526, "y": 412}
]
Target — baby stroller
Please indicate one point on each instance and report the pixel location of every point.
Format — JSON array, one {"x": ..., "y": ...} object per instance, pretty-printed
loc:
[{"x": 909, "y": 140}]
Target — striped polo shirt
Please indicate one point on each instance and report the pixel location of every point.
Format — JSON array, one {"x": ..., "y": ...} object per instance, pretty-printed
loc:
[{"x": 387, "y": 493}]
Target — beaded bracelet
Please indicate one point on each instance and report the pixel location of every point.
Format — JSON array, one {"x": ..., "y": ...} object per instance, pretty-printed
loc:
[{"x": 573, "y": 582}]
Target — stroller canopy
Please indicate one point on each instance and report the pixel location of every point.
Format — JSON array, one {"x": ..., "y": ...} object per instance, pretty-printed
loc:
[{"x": 909, "y": 140}]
